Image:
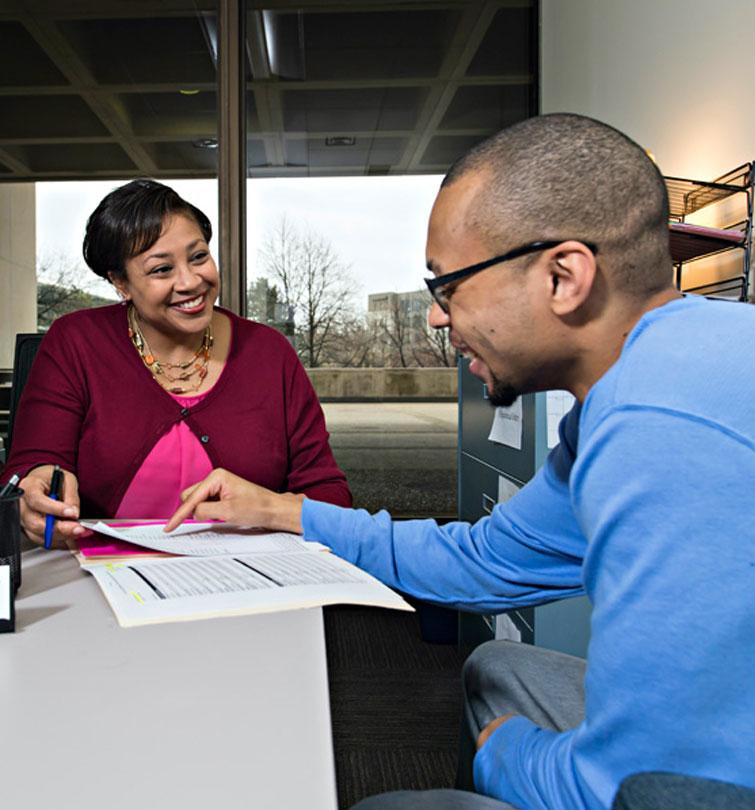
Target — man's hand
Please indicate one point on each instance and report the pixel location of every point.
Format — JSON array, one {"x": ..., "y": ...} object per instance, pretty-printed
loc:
[
  {"x": 224, "y": 496},
  {"x": 491, "y": 727},
  {"x": 35, "y": 506}
]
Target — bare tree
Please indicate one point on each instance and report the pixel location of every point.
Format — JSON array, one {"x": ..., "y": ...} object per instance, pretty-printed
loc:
[
  {"x": 279, "y": 257},
  {"x": 354, "y": 346},
  {"x": 63, "y": 286},
  {"x": 311, "y": 279},
  {"x": 400, "y": 327},
  {"x": 395, "y": 329},
  {"x": 433, "y": 348}
]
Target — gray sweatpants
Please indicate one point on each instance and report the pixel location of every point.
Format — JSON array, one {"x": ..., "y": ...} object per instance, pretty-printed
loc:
[{"x": 500, "y": 677}]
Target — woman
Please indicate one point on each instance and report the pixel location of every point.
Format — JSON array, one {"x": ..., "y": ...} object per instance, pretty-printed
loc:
[{"x": 138, "y": 400}]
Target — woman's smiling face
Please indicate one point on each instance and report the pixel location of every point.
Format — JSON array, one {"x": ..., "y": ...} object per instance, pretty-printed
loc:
[{"x": 174, "y": 283}]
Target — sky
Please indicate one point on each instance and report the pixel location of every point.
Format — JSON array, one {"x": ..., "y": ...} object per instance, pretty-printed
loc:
[{"x": 377, "y": 225}]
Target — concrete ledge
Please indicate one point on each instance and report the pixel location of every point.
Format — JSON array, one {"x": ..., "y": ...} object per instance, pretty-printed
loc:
[{"x": 384, "y": 384}]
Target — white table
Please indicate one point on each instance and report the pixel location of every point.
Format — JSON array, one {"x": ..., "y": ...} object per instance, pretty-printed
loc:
[{"x": 223, "y": 714}]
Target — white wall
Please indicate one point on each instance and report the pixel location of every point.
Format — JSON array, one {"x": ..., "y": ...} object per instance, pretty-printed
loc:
[
  {"x": 18, "y": 277},
  {"x": 678, "y": 76}
]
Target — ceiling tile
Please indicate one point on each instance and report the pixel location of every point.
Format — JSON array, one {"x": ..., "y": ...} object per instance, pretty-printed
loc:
[
  {"x": 352, "y": 110},
  {"x": 488, "y": 107},
  {"x": 171, "y": 113},
  {"x": 443, "y": 150},
  {"x": 255, "y": 153},
  {"x": 128, "y": 51},
  {"x": 361, "y": 44},
  {"x": 176, "y": 156},
  {"x": 74, "y": 158},
  {"x": 47, "y": 117},
  {"x": 22, "y": 62},
  {"x": 365, "y": 152},
  {"x": 507, "y": 46}
]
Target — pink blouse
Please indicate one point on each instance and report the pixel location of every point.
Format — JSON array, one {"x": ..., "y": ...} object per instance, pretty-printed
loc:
[{"x": 177, "y": 461}]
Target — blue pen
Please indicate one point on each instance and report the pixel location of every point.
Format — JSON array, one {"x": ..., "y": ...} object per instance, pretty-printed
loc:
[{"x": 55, "y": 482}]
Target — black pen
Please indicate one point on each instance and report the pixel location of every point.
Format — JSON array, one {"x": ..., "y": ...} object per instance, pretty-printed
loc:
[{"x": 9, "y": 486}]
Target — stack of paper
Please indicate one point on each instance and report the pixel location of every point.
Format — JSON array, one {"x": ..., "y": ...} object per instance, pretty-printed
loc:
[{"x": 225, "y": 571}]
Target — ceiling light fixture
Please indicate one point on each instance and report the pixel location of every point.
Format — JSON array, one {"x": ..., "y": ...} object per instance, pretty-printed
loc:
[
  {"x": 283, "y": 34},
  {"x": 340, "y": 140},
  {"x": 188, "y": 92}
]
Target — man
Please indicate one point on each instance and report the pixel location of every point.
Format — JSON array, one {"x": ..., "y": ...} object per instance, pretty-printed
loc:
[{"x": 560, "y": 224}]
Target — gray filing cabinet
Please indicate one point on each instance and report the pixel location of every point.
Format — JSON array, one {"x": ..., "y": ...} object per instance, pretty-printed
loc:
[{"x": 489, "y": 470}]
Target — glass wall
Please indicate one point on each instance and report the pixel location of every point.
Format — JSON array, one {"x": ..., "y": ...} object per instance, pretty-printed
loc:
[
  {"x": 354, "y": 111},
  {"x": 94, "y": 94},
  {"x": 108, "y": 89}
]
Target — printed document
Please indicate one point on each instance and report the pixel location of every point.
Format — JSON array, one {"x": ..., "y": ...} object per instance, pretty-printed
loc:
[
  {"x": 200, "y": 539},
  {"x": 226, "y": 571},
  {"x": 187, "y": 588}
]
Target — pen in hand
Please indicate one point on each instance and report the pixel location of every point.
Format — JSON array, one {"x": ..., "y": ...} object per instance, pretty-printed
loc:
[{"x": 55, "y": 482}]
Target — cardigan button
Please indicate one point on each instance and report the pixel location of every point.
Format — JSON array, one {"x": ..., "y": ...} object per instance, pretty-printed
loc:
[
  {"x": 204, "y": 439},
  {"x": 184, "y": 411}
]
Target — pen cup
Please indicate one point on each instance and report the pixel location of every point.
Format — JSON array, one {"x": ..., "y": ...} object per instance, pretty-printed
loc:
[{"x": 10, "y": 536}]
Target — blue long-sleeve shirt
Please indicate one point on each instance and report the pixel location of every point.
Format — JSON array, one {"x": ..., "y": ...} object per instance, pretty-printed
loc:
[{"x": 646, "y": 505}]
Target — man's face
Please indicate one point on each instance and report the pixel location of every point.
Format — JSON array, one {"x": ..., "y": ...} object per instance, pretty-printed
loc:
[{"x": 491, "y": 318}]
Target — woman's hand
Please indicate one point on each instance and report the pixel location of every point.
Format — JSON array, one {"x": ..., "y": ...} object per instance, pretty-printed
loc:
[
  {"x": 35, "y": 506},
  {"x": 225, "y": 496}
]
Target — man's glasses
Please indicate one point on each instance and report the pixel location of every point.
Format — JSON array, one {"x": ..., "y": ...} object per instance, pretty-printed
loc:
[{"x": 438, "y": 286}]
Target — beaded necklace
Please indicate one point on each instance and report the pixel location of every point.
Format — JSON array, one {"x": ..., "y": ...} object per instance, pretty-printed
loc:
[{"x": 196, "y": 366}]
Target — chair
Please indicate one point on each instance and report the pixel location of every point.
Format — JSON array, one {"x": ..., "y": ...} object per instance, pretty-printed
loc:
[
  {"x": 675, "y": 791},
  {"x": 26, "y": 349}
]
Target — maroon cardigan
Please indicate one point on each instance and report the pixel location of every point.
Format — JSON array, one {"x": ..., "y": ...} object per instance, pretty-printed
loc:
[{"x": 92, "y": 406}]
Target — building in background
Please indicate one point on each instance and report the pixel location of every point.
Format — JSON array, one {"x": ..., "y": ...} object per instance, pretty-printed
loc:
[
  {"x": 264, "y": 305},
  {"x": 397, "y": 322}
]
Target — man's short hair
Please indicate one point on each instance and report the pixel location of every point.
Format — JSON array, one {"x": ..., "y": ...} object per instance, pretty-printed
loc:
[{"x": 565, "y": 176}]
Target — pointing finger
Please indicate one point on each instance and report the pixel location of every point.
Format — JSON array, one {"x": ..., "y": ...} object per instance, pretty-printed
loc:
[{"x": 200, "y": 492}]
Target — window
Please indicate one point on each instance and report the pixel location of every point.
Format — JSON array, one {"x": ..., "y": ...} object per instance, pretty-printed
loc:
[
  {"x": 352, "y": 111},
  {"x": 353, "y": 115}
]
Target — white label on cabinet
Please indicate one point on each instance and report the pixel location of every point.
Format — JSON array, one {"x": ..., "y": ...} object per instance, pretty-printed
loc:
[
  {"x": 506, "y": 629},
  {"x": 506, "y": 488},
  {"x": 5, "y": 592},
  {"x": 507, "y": 426},
  {"x": 558, "y": 404}
]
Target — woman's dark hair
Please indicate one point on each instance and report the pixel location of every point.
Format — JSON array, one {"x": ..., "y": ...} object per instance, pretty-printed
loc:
[{"x": 129, "y": 221}]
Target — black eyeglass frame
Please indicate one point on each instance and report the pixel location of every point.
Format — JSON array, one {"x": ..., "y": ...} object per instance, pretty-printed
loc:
[{"x": 435, "y": 285}]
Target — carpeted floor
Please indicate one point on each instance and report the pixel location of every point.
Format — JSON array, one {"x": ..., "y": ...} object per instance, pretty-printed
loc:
[{"x": 395, "y": 703}]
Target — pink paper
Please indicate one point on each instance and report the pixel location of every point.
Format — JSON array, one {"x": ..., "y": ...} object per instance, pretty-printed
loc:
[
  {"x": 105, "y": 546},
  {"x": 91, "y": 547}
]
